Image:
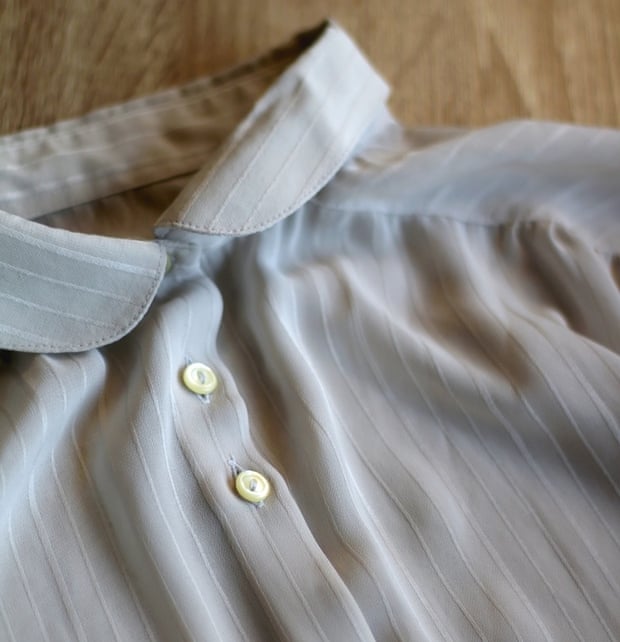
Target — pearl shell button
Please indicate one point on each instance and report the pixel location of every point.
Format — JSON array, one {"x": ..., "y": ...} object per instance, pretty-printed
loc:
[
  {"x": 252, "y": 486},
  {"x": 199, "y": 378}
]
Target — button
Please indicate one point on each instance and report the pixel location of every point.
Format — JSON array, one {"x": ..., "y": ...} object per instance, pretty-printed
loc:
[
  {"x": 168, "y": 263},
  {"x": 199, "y": 378},
  {"x": 252, "y": 486}
]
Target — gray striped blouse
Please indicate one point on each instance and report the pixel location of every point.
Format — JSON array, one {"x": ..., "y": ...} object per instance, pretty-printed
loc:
[{"x": 276, "y": 367}]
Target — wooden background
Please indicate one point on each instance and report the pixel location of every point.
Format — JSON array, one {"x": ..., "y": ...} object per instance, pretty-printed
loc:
[{"x": 465, "y": 62}]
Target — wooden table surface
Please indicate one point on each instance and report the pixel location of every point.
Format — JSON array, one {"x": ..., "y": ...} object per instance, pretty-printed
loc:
[{"x": 466, "y": 62}]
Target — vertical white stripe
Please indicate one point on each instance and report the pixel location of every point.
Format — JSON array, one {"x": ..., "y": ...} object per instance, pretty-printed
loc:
[
  {"x": 286, "y": 332},
  {"x": 258, "y": 379},
  {"x": 134, "y": 430},
  {"x": 102, "y": 518},
  {"x": 25, "y": 583},
  {"x": 373, "y": 421},
  {"x": 528, "y": 406}
]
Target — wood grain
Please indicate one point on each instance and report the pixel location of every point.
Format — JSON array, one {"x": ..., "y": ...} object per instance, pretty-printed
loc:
[{"x": 465, "y": 62}]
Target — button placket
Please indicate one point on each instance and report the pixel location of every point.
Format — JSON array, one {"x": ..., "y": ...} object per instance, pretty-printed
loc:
[{"x": 250, "y": 485}]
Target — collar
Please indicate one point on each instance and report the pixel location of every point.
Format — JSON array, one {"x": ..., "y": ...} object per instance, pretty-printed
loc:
[{"x": 63, "y": 291}]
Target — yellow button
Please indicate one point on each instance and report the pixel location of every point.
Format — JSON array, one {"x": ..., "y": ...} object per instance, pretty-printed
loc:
[
  {"x": 199, "y": 378},
  {"x": 252, "y": 486},
  {"x": 168, "y": 263}
]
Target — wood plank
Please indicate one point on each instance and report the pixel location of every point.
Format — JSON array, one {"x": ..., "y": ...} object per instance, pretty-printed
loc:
[{"x": 466, "y": 62}]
